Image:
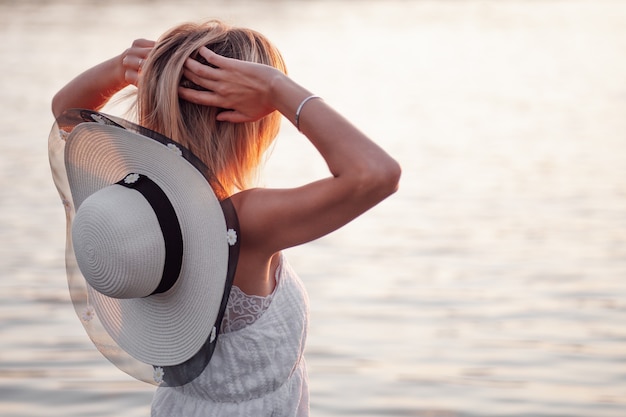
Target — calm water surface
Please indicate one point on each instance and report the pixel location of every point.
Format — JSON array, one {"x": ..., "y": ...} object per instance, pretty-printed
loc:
[{"x": 492, "y": 284}]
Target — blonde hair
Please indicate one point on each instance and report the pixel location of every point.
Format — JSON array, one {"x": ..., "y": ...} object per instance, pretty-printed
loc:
[{"x": 231, "y": 151}]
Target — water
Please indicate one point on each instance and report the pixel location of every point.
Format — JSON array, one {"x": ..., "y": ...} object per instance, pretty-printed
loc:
[{"x": 491, "y": 284}]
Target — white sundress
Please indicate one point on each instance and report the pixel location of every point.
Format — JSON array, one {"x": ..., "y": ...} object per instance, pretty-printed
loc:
[{"x": 257, "y": 368}]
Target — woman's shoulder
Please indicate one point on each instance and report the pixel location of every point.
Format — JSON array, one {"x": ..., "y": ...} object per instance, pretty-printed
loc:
[
  {"x": 255, "y": 212},
  {"x": 248, "y": 196}
]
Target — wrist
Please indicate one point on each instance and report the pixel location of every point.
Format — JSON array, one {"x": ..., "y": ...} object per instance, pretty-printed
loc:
[
  {"x": 286, "y": 95},
  {"x": 277, "y": 85}
]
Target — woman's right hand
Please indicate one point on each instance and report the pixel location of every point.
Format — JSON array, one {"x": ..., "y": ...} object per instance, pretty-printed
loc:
[
  {"x": 242, "y": 87},
  {"x": 362, "y": 174}
]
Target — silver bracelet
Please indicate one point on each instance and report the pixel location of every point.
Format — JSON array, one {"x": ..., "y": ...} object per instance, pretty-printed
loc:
[{"x": 299, "y": 110}]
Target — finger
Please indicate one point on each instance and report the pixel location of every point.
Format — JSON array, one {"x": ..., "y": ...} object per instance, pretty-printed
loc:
[
  {"x": 131, "y": 76},
  {"x": 233, "y": 116},
  {"x": 144, "y": 53},
  {"x": 213, "y": 58},
  {"x": 204, "y": 71},
  {"x": 141, "y": 49},
  {"x": 202, "y": 75},
  {"x": 200, "y": 81},
  {"x": 203, "y": 98},
  {"x": 126, "y": 59},
  {"x": 138, "y": 51},
  {"x": 143, "y": 43},
  {"x": 132, "y": 62}
]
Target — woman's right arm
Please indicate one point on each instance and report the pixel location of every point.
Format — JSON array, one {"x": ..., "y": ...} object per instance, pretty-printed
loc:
[
  {"x": 93, "y": 88},
  {"x": 362, "y": 174}
]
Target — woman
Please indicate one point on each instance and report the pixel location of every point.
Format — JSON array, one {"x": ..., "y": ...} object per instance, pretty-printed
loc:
[{"x": 220, "y": 91}]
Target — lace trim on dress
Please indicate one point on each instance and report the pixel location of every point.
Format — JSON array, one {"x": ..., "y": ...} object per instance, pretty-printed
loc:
[{"x": 242, "y": 309}]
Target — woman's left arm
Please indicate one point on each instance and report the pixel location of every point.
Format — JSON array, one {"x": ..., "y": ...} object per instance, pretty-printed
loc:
[{"x": 94, "y": 88}]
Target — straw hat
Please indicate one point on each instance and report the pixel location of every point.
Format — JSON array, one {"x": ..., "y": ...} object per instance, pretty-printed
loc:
[{"x": 152, "y": 240}]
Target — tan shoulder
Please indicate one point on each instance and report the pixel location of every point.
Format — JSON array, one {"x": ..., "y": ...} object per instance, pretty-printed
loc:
[{"x": 249, "y": 207}]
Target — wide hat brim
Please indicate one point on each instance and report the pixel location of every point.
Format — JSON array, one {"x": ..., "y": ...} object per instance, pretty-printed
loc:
[{"x": 163, "y": 331}]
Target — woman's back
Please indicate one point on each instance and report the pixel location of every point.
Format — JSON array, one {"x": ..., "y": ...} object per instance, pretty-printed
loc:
[
  {"x": 255, "y": 370},
  {"x": 229, "y": 98}
]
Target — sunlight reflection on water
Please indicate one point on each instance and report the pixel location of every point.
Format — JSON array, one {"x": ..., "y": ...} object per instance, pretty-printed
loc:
[{"x": 490, "y": 285}]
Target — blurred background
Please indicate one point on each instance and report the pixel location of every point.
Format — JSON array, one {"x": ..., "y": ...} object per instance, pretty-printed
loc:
[{"x": 492, "y": 284}]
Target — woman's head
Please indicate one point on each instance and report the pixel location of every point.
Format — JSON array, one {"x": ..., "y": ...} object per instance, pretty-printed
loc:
[{"x": 232, "y": 151}]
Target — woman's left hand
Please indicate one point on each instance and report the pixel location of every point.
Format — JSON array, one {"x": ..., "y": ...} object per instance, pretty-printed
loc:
[
  {"x": 133, "y": 59},
  {"x": 93, "y": 88}
]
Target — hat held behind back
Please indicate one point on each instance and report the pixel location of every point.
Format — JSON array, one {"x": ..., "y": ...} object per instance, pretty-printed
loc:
[{"x": 150, "y": 239}]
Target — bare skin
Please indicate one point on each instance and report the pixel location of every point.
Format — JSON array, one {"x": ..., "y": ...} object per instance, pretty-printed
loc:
[
  {"x": 361, "y": 173},
  {"x": 93, "y": 88}
]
